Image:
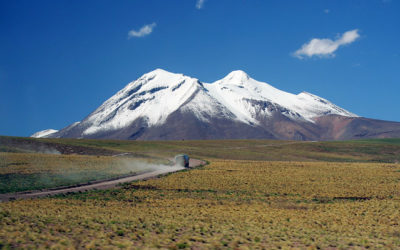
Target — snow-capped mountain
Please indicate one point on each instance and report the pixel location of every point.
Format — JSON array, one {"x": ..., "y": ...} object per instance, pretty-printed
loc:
[
  {"x": 165, "y": 105},
  {"x": 153, "y": 97},
  {"x": 44, "y": 133},
  {"x": 249, "y": 99}
]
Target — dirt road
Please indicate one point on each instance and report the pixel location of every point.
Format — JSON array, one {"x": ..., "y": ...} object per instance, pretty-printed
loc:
[{"x": 98, "y": 185}]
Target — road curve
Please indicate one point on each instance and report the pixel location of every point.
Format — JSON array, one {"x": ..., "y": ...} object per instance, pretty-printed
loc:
[{"x": 98, "y": 185}]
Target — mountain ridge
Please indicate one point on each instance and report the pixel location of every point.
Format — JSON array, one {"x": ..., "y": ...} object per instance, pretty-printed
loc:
[{"x": 161, "y": 105}]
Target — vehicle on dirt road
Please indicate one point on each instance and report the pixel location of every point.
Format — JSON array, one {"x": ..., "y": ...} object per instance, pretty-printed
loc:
[{"x": 182, "y": 160}]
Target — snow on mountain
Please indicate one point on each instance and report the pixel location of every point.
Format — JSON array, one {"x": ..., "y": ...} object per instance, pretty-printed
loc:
[
  {"x": 249, "y": 99},
  {"x": 154, "y": 96},
  {"x": 44, "y": 133},
  {"x": 315, "y": 106},
  {"x": 232, "y": 102}
]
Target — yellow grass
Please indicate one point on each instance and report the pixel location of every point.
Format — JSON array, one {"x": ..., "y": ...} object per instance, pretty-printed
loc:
[{"x": 236, "y": 204}]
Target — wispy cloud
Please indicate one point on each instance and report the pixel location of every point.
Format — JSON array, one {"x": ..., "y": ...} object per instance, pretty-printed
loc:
[
  {"x": 144, "y": 31},
  {"x": 327, "y": 11},
  {"x": 326, "y": 47},
  {"x": 200, "y": 4}
]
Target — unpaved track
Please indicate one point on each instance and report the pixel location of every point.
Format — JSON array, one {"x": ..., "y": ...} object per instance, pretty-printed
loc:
[{"x": 99, "y": 185}]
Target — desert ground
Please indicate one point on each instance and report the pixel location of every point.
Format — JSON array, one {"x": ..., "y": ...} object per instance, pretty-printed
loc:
[{"x": 250, "y": 194}]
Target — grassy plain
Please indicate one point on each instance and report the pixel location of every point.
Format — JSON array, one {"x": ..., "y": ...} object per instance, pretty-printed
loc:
[
  {"x": 335, "y": 195},
  {"x": 381, "y": 150},
  {"x": 30, "y": 171}
]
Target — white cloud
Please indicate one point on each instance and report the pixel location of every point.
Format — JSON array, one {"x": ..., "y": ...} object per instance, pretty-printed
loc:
[
  {"x": 199, "y": 4},
  {"x": 327, "y": 11},
  {"x": 326, "y": 47},
  {"x": 144, "y": 31}
]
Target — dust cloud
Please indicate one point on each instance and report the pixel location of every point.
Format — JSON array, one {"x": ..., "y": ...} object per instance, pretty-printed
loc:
[
  {"x": 39, "y": 149},
  {"x": 119, "y": 167},
  {"x": 130, "y": 165}
]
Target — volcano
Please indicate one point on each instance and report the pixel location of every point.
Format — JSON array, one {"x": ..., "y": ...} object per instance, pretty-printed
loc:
[{"x": 161, "y": 105}]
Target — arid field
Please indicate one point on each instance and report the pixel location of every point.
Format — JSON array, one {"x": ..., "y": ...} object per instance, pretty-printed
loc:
[{"x": 252, "y": 194}]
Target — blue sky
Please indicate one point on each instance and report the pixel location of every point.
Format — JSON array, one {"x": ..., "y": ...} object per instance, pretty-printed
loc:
[{"x": 59, "y": 60}]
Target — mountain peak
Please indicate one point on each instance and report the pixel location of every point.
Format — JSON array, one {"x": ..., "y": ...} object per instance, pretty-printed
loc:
[
  {"x": 164, "y": 77},
  {"x": 237, "y": 76},
  {"x": 160, "y": 72}
]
